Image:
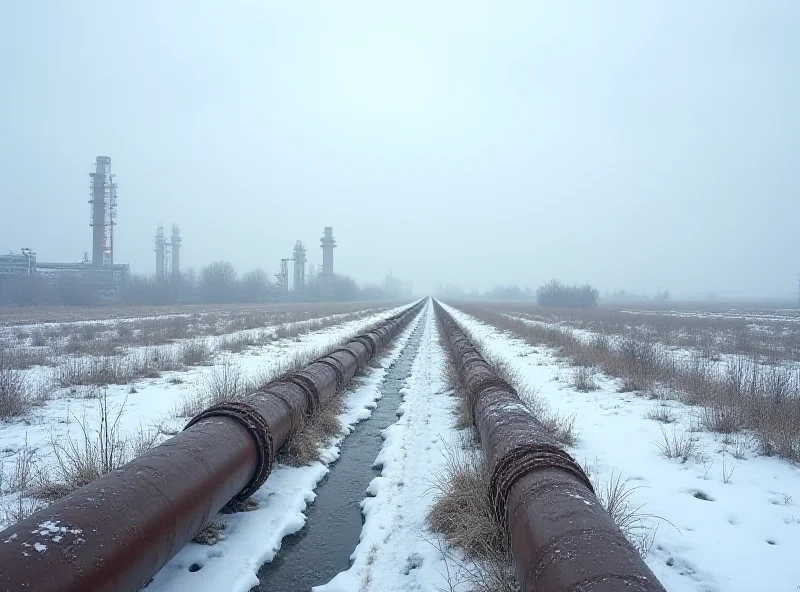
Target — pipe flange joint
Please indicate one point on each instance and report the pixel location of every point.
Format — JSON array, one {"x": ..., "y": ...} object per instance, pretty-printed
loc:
[
  {"x": 254, "y": 423},
  {"x": 339, "y": 375},
  {"x": 524, "y": 460}
]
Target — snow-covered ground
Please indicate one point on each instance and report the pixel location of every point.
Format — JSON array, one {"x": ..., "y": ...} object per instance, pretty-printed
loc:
[
  {"x": 396, "y": 550},
  {"x": 723, "y": 524},
  {"x": 253, "y": 538},
  {"x": 152, "y": 404}
]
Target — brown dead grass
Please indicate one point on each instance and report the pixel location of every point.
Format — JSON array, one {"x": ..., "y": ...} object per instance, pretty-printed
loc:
[
  {"x": 463, "y": 515},
  {"x": 316, "y": 431}
]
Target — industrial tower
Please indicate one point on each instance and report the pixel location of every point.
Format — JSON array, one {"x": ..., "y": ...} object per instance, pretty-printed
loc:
[
  {"x": 103, "y": 200},
  {"x": 283, "y": 279},
  {"x": 326, "y": 281},
  {"x": 168, "y": 251},
  {"x": 299, "y": 271},
  {"x": 175, "y": 243},
  {"x": 161, "y": 255}
]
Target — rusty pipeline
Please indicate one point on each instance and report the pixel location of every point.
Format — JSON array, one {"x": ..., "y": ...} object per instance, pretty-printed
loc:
[
  {"x": 115, "y": 533},
  {"x": 561, "y": 537}
]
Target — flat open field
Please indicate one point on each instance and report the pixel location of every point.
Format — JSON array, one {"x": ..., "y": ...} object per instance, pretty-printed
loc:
[{"x": 67, "y": 376}]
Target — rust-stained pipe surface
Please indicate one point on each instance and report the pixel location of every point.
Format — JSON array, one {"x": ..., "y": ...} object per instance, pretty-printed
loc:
[
  {"x": 116, "y": 532},
  {"x": 562, "y": 539}
]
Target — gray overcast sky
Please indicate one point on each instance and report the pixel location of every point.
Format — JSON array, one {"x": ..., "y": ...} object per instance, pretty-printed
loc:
[{"x": 629, "y": 144}]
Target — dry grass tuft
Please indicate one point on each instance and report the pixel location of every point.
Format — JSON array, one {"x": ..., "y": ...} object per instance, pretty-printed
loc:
[
  {"x": 681, "y": 446},
  {"x": 316, "y": 431},
  {"x": 15, "y": 399},
  {"x": 99, "y": 450},
  {"x": 615, "y": 497},
  {"x": 211, "y": 534},
  {"x": 662, "y": 413},
  {"x": 583, "y": 379},
  {"x": 463, "y": 515}
]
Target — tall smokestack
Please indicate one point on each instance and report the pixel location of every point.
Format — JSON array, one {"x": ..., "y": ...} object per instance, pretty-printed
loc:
[
  {"x": 326, "y": 281},
  {"x": 328, "y": 243},
  {"x": 299, "y": 270},
  {"x": 176, "y": 251},
  {"x": 102, "y": 212},
  {"x": 160, "y": 255}
]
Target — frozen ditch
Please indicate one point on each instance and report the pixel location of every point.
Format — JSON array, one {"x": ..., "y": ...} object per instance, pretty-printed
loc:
[
  {"x": 251, "y": 539},
  {"x": 322, "y": 548}
]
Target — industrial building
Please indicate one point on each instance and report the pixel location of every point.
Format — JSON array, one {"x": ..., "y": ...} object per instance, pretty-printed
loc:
[
  {"x": 99, "y": 278},
  {"x": 308, "y": 286}
]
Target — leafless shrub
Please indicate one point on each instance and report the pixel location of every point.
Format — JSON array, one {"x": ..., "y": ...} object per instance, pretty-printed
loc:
[
  {"x": 191, "y": 403},
  {"x": 98, "y": 451},
  {"x": 124, "y": 331},
  {"x": 680, "y": 446},
  {"x": 89, "y": 331},
  {"x": 777, "y": 427},
  {"x": 195, "y": 352},
  {"x": 728, "y": 467},
  {"x": 224, "y": 383},
  {"x": 37, "y": 338},
  {"x": 238, "y": 342},
  {"x": 142, "y": 440},
  {"x": 73, "y": 345},
  {"x": 463, "y": 514},
  {"x": 15, "y": 398},
  {"x": 583, "y": 379},
  {"x": 94, "y": 372},
  {"x": 177, "y": 327},
  {"x": 662, "y": 413},
  {"x": 19, "y": 502},
  {"x": 637, "y": 364}
]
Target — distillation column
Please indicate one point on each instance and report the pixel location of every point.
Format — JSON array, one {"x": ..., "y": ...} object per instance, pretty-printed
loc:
[
  {"x": 326, "y": 278},
  {"x": 299, "y": 271},
  {"x": 175, "y": 243}
]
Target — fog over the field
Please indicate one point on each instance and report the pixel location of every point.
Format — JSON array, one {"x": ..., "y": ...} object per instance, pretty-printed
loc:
[{"x": 629, "y": 144}]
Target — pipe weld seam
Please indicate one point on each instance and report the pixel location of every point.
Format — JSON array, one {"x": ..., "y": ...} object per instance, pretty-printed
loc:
[{"x": 258, "y": 428}]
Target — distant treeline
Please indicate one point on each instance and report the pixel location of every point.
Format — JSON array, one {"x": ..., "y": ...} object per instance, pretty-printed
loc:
[
  {"x": 218, "y": 282},
  {"x": 552, "y": 294},
  {"x": 556, "y": 294}
]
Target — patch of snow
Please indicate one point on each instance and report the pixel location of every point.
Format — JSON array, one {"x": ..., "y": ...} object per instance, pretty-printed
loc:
[
  {"x": 707, "y": 518},
  {"x": 397, "y": 551}
]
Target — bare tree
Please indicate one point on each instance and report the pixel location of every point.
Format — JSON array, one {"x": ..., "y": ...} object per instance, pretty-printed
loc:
[{"x": 218, "y": 282}]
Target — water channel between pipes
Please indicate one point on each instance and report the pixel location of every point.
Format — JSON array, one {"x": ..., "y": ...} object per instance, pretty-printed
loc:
[{"x": 322, "y": 548}]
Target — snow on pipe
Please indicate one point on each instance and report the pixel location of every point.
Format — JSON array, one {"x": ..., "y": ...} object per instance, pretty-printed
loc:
[
  {"x": 116, "y": 532},
  {"x": 561, "y": 536}
]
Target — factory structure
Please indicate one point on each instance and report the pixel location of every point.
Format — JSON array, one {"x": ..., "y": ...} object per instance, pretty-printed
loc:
[
  {"x": 306, "y": 283},
  {"x": 24, "y": 279},
  {"x": 168, "y": 255},
  {"x": 99, "y": 277}
]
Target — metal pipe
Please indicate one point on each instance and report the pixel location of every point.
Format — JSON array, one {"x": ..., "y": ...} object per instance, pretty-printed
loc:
[
  {"x": 561, "y": 537},
  {"x": 116, "y": 532}
]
